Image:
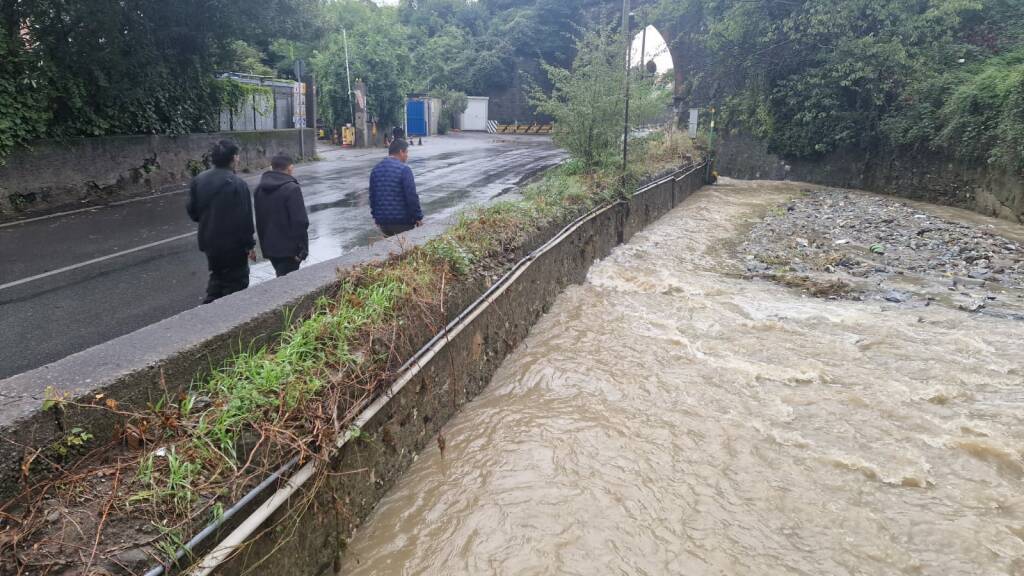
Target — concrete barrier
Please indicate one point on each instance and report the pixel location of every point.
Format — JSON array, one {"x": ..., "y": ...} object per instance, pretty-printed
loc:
[
  {"x": 52, "y": 175},
  {"x": 139, "y": 368},
  {"x": 309, "y": 533}
]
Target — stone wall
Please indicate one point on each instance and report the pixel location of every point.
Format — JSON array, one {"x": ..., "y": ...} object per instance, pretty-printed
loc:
[
  {"x": 930, "y": 177},
  {"x": 51, "y": 176}
]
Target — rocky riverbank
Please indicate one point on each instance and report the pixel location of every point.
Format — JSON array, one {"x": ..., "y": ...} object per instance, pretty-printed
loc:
[{"x": 843, "y": 244}]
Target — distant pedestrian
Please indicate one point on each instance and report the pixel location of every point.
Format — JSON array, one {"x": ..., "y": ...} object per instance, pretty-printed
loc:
[
  {"x": 220, "y": 202},
  {"x": 281, "y": 220},
  {"x": 397, "y": 133},
  {"x": 393, "y": 200}
]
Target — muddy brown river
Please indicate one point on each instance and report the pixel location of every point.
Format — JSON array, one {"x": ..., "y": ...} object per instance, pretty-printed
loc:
[{"x": 672, "y": 417}]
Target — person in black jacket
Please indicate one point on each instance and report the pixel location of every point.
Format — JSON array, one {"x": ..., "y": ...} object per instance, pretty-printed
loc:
[
  {"x": 281, "y": 220},
  {"x": 220, "y": 202},
  {"x": 397, "y": 133}
]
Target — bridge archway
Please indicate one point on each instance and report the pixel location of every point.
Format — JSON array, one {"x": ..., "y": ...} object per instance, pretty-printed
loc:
[
  {"x": 651, "y": 53},
  {"x": 650, "y": 48},
  {"x": 677, "y": 23}
]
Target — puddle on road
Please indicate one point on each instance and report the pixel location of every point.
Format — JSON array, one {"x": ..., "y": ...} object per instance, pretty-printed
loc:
[{"x": 671, "y": 417}]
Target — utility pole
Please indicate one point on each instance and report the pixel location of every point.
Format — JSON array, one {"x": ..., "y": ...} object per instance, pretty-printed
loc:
[
  {"x": 348, "y": 76},
  {"x": 626, "y": 29},
  {"x": 300, "y": 77}
]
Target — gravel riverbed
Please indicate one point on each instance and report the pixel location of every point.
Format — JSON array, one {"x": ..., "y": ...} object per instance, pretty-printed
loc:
[{"x": 845, "y": 244}]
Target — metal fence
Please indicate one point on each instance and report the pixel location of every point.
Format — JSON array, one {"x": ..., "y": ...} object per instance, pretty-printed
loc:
[{"x": 272, "y": 111}]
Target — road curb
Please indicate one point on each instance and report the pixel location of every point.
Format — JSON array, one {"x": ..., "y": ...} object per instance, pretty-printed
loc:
[{"x": 141, "y": 367}]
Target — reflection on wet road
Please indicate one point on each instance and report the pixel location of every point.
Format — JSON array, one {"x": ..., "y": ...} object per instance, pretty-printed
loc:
[
  {"x": 670, "y": 416},
  {"x": 74, "y": 281},
  {"x": 447, "y": 183}
]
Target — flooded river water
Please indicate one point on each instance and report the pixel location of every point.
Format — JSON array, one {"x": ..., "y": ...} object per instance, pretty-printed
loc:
[{"x": 670, "y": 416}]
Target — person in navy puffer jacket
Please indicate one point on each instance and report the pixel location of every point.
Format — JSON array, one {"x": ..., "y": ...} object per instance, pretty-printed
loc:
[{"x": 393, "y": 200}]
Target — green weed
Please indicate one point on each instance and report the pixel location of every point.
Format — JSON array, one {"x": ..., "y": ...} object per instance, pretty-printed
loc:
[
  {"x": 72, "y": 442},
  {"x": 448, "y": 250},
  {"x": 171, "y": 481},
  {"x": 171, "y": 540}
]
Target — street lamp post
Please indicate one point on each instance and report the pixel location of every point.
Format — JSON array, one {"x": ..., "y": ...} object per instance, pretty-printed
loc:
[
  {"x": 626, "y": 29},
  {"x": 348, "y": 78},
  {"x": 643, "y": 54}
]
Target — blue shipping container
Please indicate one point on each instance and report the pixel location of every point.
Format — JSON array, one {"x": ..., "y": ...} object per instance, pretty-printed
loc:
[{"x": 416, "y": 118}]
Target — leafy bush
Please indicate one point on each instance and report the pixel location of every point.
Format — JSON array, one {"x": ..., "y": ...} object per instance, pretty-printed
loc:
[
  {"x": 983, "y": 118},
  {"x": 94, "y": 67}
]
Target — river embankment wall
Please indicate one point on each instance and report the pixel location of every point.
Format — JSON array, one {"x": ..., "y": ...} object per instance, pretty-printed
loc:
[
  {"x": 310, "y": 532},
  {"x": 52, "y": 175},
  {"x": 931, "y": 177}
]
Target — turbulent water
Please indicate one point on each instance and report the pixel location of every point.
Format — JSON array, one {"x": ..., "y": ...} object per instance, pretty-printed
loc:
[{"x": 671, "y": 417}]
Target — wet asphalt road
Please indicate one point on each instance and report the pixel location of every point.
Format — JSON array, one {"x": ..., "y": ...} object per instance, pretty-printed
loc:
[{"x": 71, "y": 282}]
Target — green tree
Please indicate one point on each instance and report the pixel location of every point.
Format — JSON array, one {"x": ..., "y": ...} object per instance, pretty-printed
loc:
[
  {"x": 378, "y": 55},
  {"x": 247, "y": 59},
  {"x": 453, "y": 103},
  {"x": 588, "y": 100},
  {"x": 814, "y": 76},
  {"x": 24, "y": 85}
]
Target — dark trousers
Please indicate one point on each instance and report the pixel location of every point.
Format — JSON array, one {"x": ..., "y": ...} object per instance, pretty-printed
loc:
[
  {"x": 390, "y": 230},
  {"x": 229, "y": 273},
  {"x": 285, "y": 266}
]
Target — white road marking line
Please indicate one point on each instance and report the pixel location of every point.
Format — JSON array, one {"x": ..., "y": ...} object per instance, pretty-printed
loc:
[
  {"x": 93, "y": 261},
  {"x": 92, "y": 208}
]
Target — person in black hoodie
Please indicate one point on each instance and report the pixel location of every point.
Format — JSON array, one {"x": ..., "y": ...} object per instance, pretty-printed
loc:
[
  {"x": 281, "y": 220},
  {"x": 220, "y": 202}
]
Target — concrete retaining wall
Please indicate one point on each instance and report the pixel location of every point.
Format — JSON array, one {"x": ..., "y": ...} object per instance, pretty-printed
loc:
[
  {"x": 930, "y": 177},
  {"x": 310, "y": 535},
  {"x": 50, "y": 176}
]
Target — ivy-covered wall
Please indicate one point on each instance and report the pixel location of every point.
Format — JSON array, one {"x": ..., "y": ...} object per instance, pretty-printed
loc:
[{"x": 56, "y": 175}]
